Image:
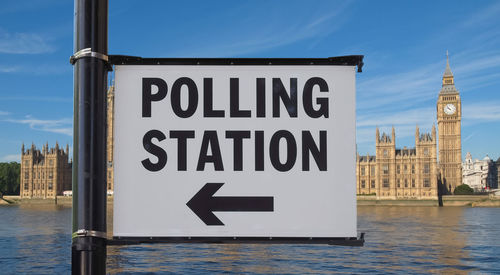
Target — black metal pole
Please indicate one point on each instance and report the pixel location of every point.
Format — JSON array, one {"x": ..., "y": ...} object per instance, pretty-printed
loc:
[{"x": 88, "y": 251}]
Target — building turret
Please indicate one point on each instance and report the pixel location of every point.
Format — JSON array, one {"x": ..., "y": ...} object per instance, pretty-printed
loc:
[
  {"x": 417, "y": 134},
  {"x": 377, "y": 136},
  {"x": 22, "y": 149},
  {"x": 67, "y": 149},
  {"x": 393, "y": 135}
]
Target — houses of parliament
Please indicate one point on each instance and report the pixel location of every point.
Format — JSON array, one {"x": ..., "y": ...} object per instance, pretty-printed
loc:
[
  {"x": 48, "y": 173},
  {"x": 415, "y": 173},
  {"x": 393, "y": 173}
]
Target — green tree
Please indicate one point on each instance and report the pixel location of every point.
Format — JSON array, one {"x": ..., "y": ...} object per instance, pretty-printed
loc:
[
  {"x": 9, "y": 178},
  {"x": 463, "y": 189}
]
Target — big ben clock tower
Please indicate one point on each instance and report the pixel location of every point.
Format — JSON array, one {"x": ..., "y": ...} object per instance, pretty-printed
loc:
[{"x": 449, "y": 114}]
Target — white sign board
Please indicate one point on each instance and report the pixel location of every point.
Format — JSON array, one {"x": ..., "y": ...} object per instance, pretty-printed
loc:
[{"x": 234, "y": 151}]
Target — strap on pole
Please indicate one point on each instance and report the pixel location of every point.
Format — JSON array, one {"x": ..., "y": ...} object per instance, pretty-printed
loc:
[
  {"x": 87, "y": 52},
  {"x": 88, "y": 233}
]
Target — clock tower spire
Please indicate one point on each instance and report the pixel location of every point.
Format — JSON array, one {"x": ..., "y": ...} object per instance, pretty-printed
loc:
[
  {"x": 448, "y": 75},
  {"x": 449, "y": 116}
]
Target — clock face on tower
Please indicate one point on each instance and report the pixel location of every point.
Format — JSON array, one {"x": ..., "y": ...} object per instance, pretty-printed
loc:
[{"x": 450, "y": 109}]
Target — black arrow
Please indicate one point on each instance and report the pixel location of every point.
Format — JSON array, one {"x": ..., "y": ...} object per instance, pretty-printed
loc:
[{"x": 203, "y": 204}]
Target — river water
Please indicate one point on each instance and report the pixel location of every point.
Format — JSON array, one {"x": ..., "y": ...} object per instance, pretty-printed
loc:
[{"x": 36, "y": 239}]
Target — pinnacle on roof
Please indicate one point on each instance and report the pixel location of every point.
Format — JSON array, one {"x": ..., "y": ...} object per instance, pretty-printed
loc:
[{"x": 447, "y": 71}]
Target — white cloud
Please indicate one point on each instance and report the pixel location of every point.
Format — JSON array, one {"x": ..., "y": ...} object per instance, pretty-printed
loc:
[
  {"x": 479, "y": 112},
  {"x": 37, "y": 69},
  {"x": 400, "y": 89},
  {"x": 9, "y": 69},
  {"x": 36, "y": 98},
  {"x": 60, "y": 126},
  {"x": 2, "y": 113},
  {"x": 267, "y": 36},
  {"x": 405, "y": 117},
  {"x": 483, "y": 16},
  {"x": 9, "y": 158},
  {"x": 23, "y": 43},
  {"x": 468, "y": 137},
  {"x": 404, "y": 123},
  {"x": 475, "y": 63}
]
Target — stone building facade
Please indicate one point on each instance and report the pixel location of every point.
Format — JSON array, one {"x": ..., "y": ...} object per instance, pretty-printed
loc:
[
  {"x": 393, "y": 173},
  {"x": 480, "y": 175},
  {"x": 109, "y": 140},
  {"x": 46, "y": 173},
  {"x": 497, "y": 164},
  {"x": 413, "y": 173}
]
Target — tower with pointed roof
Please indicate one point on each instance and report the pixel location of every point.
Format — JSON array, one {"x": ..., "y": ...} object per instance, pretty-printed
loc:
[{"x": 449, "y": 116}]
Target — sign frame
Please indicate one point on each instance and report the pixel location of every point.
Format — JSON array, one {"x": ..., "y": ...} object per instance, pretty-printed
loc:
[{"x": 352, "y": 60}]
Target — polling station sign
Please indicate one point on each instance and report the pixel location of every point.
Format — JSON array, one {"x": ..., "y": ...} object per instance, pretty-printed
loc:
[{"x": 235, "y": 148}]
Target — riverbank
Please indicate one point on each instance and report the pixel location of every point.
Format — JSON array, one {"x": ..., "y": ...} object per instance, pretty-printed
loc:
[
  {"x": 471, "y": 201},
  {"x": 61, "y": 200},
  {"x": 459, "y": 200}
]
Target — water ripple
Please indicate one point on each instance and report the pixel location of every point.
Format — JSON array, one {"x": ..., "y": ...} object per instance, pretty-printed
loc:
[{"x": 399, "y": 240}]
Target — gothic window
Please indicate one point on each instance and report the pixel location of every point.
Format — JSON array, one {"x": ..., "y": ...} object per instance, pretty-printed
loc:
[
  {"x": 413, "y": 168},
  {"x": 363, "y": 184},
  {"x": 398, "y": 169},
  {"x": 406, "y": 183},
  {"x": 426, "y": 168},
  {"x": 399, "y": 185},
  {"x": 426, "y": 151},
  {"x": 385, "y": 169},
  {"x": 373, "y": 183},
  {"x": 405, "y": 168},
  {"x": 26, "y": 162},
  {"x": 385, "y": 183},
  {"x": 26, "y": 175},
  {"x": 51, "y": 162},
  {"x": 26, "y": 186},
  {"x": 412, "y": 182},
  {"x": 427, "y": 183},
  {"x": 362, "y": 171},
  {"x": 373, "y": 170},
  {"x": 50, "y": 185},
  {"x": 385, "y": 152},
  {"x": 51, "y": 175}
]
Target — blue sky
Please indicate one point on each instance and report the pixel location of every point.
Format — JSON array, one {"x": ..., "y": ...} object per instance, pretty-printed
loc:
[{"x": 404, "y": 46}]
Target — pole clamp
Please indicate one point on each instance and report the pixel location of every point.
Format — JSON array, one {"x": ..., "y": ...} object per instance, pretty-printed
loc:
[
  {"x": 88, "y": 233},
  {"x": 87, "y": 52}
]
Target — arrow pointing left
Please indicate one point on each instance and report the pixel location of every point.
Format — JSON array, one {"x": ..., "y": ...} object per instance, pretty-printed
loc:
[{"x": 203, "y": 204}]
